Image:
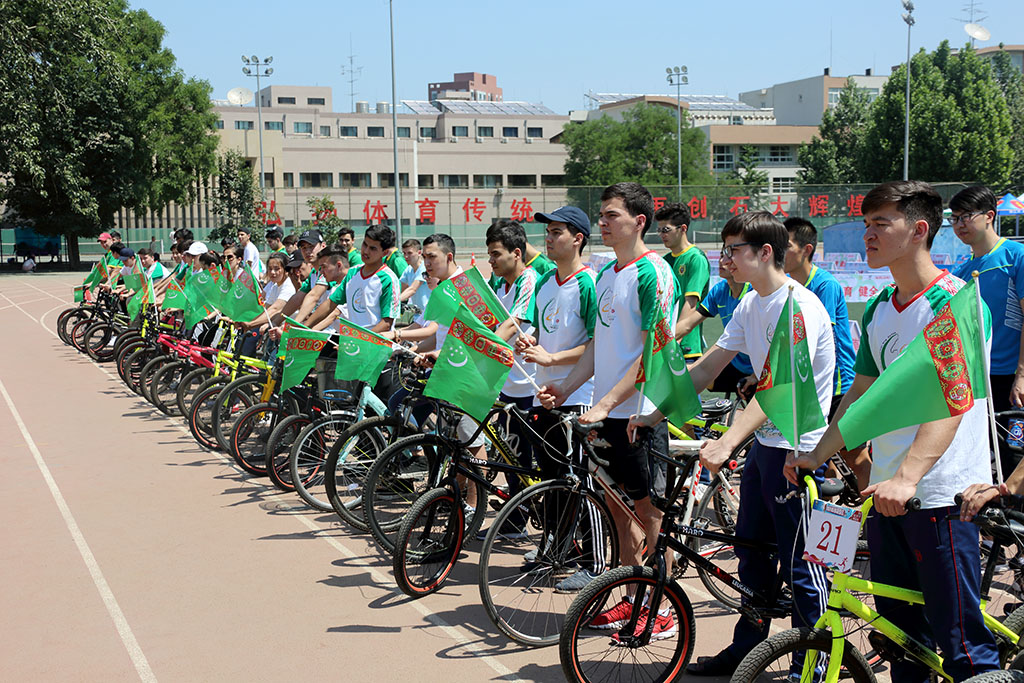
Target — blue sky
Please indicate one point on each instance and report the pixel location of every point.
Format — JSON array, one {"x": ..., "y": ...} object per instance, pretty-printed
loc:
[{"x": 554, "y": 52}]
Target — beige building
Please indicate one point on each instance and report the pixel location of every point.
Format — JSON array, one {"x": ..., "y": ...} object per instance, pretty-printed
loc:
[{"x": 802, "y": 102}]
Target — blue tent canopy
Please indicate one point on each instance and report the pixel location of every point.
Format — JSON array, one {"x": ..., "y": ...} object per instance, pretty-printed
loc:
[{"x": 1010, "y": 205}]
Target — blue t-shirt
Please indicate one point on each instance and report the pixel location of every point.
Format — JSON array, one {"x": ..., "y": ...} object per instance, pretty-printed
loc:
[
  {"x": 1001, "y": 280},
  {"x": 828, "y": 290},
  {"x": 422, "y": 292},
  {"x": 719, "y": 301}
]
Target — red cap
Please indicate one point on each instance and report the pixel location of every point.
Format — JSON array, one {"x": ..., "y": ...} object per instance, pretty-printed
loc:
[{"x": 104, "y": 236}]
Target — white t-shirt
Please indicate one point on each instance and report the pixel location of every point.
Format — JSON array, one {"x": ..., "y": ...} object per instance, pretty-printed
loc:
[
  {"x": 630, "y": 301},
  {"x": 370, "y": 299},
  {"x": 518, "y": 301},
  {"x": 273, "y": 291},
  {"x": 750, "y": 331},
  {"x": 563, "y": 317},
  {"x": 886, "y": 332},
  {"x": 252, "y": 255}
]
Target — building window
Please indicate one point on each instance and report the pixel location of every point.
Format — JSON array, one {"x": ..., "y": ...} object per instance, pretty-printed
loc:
[
  {"x": 460, "y": 131},
  {"x": 375, "y": 131},
  {"x": 783, "y": 185},
  {"x": 288, "y": 179},
  {"x": 485, "y": 131},
  {"x": 403, "y": 131},
  {"x": 780, "y": 154},
  {"x": 833, "y": 96},
  {"x": 388, "y": 179},
  {"x": 325, "y": 131},
  {"x": 353, "y": 180},
  {"x": 274, "y": 125},
  {"x": 347, "y": 131},
  {"x": 522, "y": 180},
  {"x": 268, "y": 180},
  {"x": 220, "y": 124},
  {"x": 486, "y": 181},
  {"x": 536, "y": 132},
  {"x": 454, "y": 180},
  {"x": 737, "y": 120},
  {"x": 244, "y": 125},
  {"x": 723, "y": 159},
  {"x": 316, "y": 180},
  {"x": 286, "y": 100},
  {"x": 510, "y": 131},
  {"x": 428, "y": 132},
  {"x": 425, "y": 180},
  {"x": 303, "y": 127},
  {"x": 552, "y": 181},
  {"x": 316, "y": 100}
]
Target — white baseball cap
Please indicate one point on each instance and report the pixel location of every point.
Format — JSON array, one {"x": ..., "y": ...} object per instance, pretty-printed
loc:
[{"x": 197, "y": 249}]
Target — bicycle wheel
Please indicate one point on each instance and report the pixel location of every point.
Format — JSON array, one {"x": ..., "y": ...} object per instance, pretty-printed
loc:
[
  {"x": 200, "y": 415},
  {"x": 126, "y": 337},
  {"x": 98, "y": 342},
  {"x": 308, "y": 457},
  {"x": 1010, "y": 676},
  {"x": 1008, "y": 652},
  {"x": 782, "y": 654},
  {"x": 122, "y": 355},
  {"x": 568, "y": 528},
  {"x": 350, "y": 459},
  {"x": 78, "y": 333},
  {"x": 251, "y": 434},
  {"x": 428, "y": 542},
  {"x": 188, "y": 386},
  {"x": 163, "y": 390},
  {"x": 236, "y": 397},
  {"x": 68, "y": 318},
  {"x": 148, "y": 370},
  {"x": 133, "y": 365},
  {"x": 279, "y": 447},
  {"x": 588, "y": 654}
]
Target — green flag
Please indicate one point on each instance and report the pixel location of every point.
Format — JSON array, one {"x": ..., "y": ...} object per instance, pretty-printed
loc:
[
  {"x": 362, "y": 354},
  {"x": 201, "y": 291},
  {"x": 246, "y": 296},
  {"x": 97, "y": 275},
  {"x": 132, "y": 276},
  {"x": 145, "y": 296},
  {"x": 174, "y": 296},
  {"x": 778, "y": 391},
  {"x": 939, "y": 374},
  {"x": 225, "y": 301},
  {"x": 663, "y": 376},
  {"x": 467, "y": 288},
  {"x": 80, "y": 293},
  {"x": 301, "y": 347},
  {"x": 472, "y": 366}
]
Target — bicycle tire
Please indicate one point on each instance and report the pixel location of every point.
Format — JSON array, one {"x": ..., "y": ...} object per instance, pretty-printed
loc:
[
  {"x": 98, "y": 342},
  {"x": 78, "y": 332},
  {"x": 134, "y": 363},
  {"x": 753, "y": 668},
  {"x": 715, "y": 512},
  {"x": 1007, "y": 676},
  {"x": 250, "y": 435},
  {"x": 148, "y": 371},
  {"x": 123, "y": 356},
  {"x": 576, "y": 648},
  {"x": 308, "y": 457},
  {"x": 188, "y": 386},
  {"x": 75, "y": 313},
  {"x": 164, "y": 388},
  {"x": 350, "y": 460},
  {"x": 199, "y": 417},
  {"x": 513, "y": 587},
  {"x": 279, "y": 447},
  {"x": 428, "y": 543},
  {"x": 126, "y": 337},
  {"x": 1007, "y": 650},
  {"x": 236, "y": 397}
]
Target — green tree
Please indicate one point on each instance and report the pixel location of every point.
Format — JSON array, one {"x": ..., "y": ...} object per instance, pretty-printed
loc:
[
  {"x": 325, "y": 217},
  {"x": 1011, "y": 82},
  {"x": 745, "y": 175},
  {"x": 235, "y": 198},
  {"x": 959, "y": 123},
  {"x": 94, "y": 116},
  {"x": 830, "y": 158}
]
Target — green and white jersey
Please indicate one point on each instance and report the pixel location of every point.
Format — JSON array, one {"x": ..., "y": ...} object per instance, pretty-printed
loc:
[
  {"x": 563, "y": 315},
  {"x": 355, "y": 258},
  {"x": 396, "y": 262},
  {"x": 886, "y": 330},
  {"x": 630, "y": 300},
  {"x": 312, "y": 281},
  {"x": 542, "y": 264},
  {"x": 693, "y": 274},
  {"x": 370, "y": 298},
  {"x": 156, "y": 272},
  {"x": 518, "y": 300}
]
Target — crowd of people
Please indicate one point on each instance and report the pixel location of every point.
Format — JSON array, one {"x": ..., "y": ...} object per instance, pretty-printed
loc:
[{"x": 579, "y": 335}]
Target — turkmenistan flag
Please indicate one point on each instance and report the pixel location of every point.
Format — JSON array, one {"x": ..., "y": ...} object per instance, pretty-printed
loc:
[
  {"x": 467, "y": 288},
  {"x": 939, "y": 374},
  {"x": 97, "y": 275},
  {"x": 224, "y": 302},
  {"x": 80, "y": 293},
  {"x": 663, "y": 376},
  {"x": 114, "y": 272},
  {"x": 201, "y": 291},
  {"x": 778, "y": 390},
  {"x": 246, "y": 296},
  {"x": 174, "y": 295},
  {"x": 132, "y": 276},
  {"x": 301, "y": 347},
  {"x": 362, "y": 354},
  {"x": 143, "y": 296},
  {"x": 472, "y": 366}
]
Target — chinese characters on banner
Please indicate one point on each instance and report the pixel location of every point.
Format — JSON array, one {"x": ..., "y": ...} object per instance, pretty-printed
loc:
[
  {"x": 427, "y": 210},
  {"x": 522, "y": 210},
  {"x": 475, "y": 207},
  {"x": 375, "y": 212},
  {"x": 269, "y": 217}
]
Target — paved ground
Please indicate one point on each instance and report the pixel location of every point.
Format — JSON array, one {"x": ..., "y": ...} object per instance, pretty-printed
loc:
[{"x": 130, "y": 553}]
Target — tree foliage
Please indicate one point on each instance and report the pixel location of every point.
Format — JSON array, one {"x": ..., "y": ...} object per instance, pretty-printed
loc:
[
  {"x": 1011, "y": 82},
  {"x": 831, "y": 157},
  {"x": 235, "y": 198},
  {"x": 94, "y": 116},
  {"x": 325, "y": 217},
  {"x": 745, "y": 174}
]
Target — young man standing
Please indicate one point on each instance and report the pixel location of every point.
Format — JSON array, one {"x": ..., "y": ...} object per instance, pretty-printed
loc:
[
  {"x": 313, "y": 288},
  {"x": 754, "y": 252},
  {"x": 690, "y": 267},
  {"x": 347, "y": 243},
  {"x": 414, "y": 279},
  {"x": 274, "y": 237},
  {"x": 250, "y": 254},
  {"x": 633, "y": 294},
  {"x": 922, "y": 549}
]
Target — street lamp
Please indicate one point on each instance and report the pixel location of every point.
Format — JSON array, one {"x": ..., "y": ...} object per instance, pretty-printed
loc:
[
  {"x": 257, "y": 69},
  {"x": 394, "y": 130},
  {"x": 677, "y": 77},
  {"x": 908, "y": 17}
]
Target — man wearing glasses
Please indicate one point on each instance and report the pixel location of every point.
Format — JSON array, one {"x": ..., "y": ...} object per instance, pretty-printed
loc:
[
  {"x": 689, "y": 266},
  {"x": 1000, "y": 263}
]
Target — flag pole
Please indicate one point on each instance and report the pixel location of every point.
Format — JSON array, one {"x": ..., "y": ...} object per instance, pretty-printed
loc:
[
  {"x": 988, "y": 380},
  {"x": 792, "y": 372}
]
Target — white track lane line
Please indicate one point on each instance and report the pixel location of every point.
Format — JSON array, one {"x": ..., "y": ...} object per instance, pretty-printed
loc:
[{"x": 381, "y": 578}]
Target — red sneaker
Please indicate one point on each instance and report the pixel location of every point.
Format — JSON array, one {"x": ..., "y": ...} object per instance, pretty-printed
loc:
[
  {"x": 615, "y": 617},
  {"x": 664, "y": 626}
]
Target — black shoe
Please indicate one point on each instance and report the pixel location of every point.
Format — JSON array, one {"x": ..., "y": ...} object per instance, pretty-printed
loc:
[{"x": 722, "y": 664}]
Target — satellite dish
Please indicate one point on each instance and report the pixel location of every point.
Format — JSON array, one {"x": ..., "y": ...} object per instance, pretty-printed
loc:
[
  {"x": 239, "y": 96},
  {"x": 977, "y": 31}
]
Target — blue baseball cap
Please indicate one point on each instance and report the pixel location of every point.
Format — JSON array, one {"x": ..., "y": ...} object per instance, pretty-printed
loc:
[
  {"x": 126, "y": 253},
  {"x": 570, "y": 215}
]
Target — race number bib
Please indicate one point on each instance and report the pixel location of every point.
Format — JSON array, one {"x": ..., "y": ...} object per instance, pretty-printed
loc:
[{"x": 832, "y": 533}]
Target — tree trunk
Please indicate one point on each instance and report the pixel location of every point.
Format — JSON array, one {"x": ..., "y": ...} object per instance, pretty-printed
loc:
[{"x": 74, "y": 257}]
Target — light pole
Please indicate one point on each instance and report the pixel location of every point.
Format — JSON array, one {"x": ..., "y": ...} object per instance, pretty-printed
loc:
[
  {"x": 394, "y": 130},
  {"x": 908, "y": 17},
  {"x": 677, "y": 77},
  {"x": 257, "y": 69}
]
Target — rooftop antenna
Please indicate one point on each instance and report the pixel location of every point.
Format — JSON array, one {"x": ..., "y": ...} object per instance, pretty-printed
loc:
[
  {"x": 353, "y": 72},
  {"x": 972, "y": 24}
]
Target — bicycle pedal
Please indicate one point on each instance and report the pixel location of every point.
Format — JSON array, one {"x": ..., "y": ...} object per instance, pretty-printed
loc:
[{"x": 886, "y": 648}]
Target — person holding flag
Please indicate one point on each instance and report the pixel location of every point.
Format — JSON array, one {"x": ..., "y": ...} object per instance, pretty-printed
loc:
[
  {"x": 314, "y": 289},
  {"x": 920, "y": 365}
]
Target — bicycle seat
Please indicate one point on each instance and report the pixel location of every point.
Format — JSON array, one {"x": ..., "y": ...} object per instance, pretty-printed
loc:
[
  {"x": 830, "y": 488},
  {"x": 714, "y": 408}
]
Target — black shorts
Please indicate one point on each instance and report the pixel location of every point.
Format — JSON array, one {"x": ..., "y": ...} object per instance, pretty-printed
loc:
[
  {"x": 727, "y": 380},
  {"x": 631, "y": 465},
  {"x": 836, "y": 400}
]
